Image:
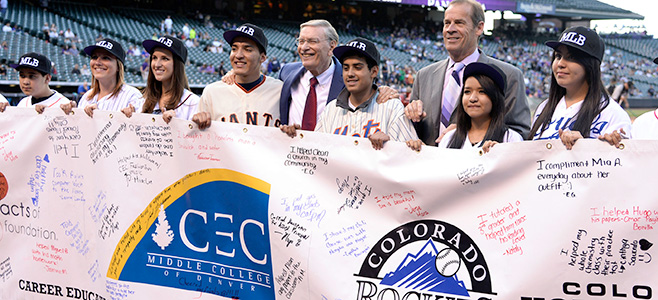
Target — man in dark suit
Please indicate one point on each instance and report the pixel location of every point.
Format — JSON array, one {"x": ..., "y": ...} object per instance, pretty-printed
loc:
[
  {"x": 317, "y": 39},
  {"x": 463, "y": 25}
]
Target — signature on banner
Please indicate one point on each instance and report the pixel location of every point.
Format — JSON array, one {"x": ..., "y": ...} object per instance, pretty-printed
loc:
[
  {"x": 357, "y": 192},
  {"x": 305, "y": 207},
  {"x": 467, "y": 176}
]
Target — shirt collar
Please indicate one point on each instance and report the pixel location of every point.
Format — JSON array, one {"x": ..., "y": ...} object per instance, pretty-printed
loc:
[
  {"x": 343, "y": 99},
  {"x": 323, "y": 79},
  {"x": 469, "y": 59}
]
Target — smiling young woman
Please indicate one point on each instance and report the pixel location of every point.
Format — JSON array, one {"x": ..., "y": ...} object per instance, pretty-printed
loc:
[
  {"x": 108, "y": 89},
  {"x": 167, "y": 91},
  {"x": 578, "y": 106}
]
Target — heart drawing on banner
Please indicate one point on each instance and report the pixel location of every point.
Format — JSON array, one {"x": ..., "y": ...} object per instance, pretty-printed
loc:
[{"x": 645, "y": 245}]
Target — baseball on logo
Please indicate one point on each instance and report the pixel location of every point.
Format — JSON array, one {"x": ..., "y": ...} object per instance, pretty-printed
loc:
[{"x": 447, "y": 262}]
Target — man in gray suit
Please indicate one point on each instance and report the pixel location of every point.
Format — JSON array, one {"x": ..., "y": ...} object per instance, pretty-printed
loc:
[{"x": 462, "y": 27}]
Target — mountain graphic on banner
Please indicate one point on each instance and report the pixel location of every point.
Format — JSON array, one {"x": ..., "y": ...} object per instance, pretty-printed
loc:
[{"x": 419, "y": 272}]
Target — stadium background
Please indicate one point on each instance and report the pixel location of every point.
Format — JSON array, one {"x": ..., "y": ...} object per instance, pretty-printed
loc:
[{"x": 408, "y": 33}]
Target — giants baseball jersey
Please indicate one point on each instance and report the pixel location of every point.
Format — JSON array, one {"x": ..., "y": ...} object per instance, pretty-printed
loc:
[
  {"x": 55, "y": 100},
  {"x": 187, "y": 107},
  {"x": 126, "y": 96},
  {"x": 231, "y": 103},
  {"x": 645, "y": 127},
  {"x": 366, "y": 119},
  {"x": 611, "y": 118}
]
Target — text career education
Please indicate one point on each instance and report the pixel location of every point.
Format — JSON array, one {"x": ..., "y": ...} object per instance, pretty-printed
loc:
[{"x": 56, "y": 290}]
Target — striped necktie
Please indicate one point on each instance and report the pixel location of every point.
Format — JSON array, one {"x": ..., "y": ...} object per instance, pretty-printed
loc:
[{"x": 451, "y": 94}]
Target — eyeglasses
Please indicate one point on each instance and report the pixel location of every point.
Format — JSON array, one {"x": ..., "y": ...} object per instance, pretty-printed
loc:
[{"x": 311, "y": 42}]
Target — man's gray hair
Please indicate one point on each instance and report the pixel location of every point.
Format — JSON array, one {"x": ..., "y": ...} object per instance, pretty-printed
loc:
[{"x": 329, "y": 30}]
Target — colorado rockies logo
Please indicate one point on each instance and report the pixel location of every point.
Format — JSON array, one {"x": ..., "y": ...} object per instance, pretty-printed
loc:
[{"x": 438, "y": 254}]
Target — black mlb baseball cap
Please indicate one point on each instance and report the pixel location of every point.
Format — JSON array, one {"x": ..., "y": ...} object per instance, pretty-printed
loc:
[
  {"x": 249, "y": 31},
  {"x": 111, "y": 46},
  {"x": 489, "y": 70},
  {"x": 583, "y": 39},
  {"x": 168, "y": 42},
  {"x": 361, "y": 45},
  {"x": 34, "y": 61}
]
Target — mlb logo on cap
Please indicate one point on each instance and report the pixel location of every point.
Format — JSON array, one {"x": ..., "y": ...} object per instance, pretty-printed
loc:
[
  {"x": 165, "y": 41},
  {"x": 357, "y": 44},
  {"x": 34, "y": 61},
  {"x": 246, "y": 29},
  {"x": 111, "y": 46},
  {"x": 574, "y": 37},
  {"x": 360, "y": 45},
  {"x": 29, "y": 61},
  {"x": 583, "y": 39},
  {"x": 249, "y": 31},
  {"x": 105, "y": 44},
  {"x": 168, "y": 42}
]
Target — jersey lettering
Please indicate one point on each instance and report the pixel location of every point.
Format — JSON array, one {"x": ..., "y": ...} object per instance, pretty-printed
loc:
[
  {"x": 337, "y": 131},
  {"x": 367, "y": 129},
  {"x": 252, "y": 118},
  {"x": 368, "y": 126},
  {"x": 598, "y": 127},
  {"x": 268, "y": 118}
]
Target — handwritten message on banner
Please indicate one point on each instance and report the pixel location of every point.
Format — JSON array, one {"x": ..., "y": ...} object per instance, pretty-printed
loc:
[{"x": 116, "y": 208}]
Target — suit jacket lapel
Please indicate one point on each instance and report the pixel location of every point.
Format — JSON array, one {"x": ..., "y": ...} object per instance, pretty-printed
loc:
[
  {"x": 286, "y": 90},
  {"x": 337, "y": 83},
  {"x": 436, "y": 84}
]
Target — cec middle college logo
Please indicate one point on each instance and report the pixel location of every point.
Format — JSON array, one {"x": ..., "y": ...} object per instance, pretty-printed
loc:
[{"x": 207, "y": 232}]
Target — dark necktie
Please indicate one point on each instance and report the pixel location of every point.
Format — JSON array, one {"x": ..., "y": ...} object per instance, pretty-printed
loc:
[{"x": 311, "y": 108}]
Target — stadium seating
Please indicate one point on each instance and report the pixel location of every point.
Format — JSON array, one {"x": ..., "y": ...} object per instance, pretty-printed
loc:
[{"x": 626, "y": 57}]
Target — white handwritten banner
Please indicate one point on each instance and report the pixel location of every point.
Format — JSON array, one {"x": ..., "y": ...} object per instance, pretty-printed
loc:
[{"x": 116, "y": 208}]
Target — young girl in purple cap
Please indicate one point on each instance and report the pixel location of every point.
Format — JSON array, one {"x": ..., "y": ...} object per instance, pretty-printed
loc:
[
  {"x": 480, "y": 111},
  {"x": 167, "y": 91},
  {"x": 578, "y": 105}
]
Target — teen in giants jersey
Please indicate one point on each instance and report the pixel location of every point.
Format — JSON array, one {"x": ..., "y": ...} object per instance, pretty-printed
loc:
[{"x": 254, "y": 99}]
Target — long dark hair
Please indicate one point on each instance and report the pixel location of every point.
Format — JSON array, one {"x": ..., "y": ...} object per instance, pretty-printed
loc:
[
  {"x": 592, "y": 105},
  {"x": 153, "y": 91},
  {"x": 497, "y": 128}
]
